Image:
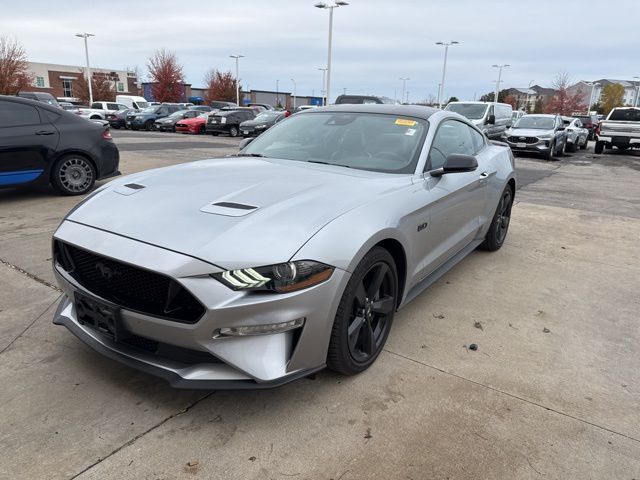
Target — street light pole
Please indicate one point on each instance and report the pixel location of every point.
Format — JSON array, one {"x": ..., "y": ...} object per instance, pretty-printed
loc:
[
  {"x": 404, "y": 87},
  {"x": 324, "y": 85},
  {"x": 444, "y": 69},
  {"x": 635, "y": 104},
  {"x": 237, "y": 57},
  {"x": 86, "y": 54},
  {"x": 277, "y": 93},
  {"x": 499, "y": 67},
  {"x": 295, "y": 87},
  {"x": 338, "y": 3}
]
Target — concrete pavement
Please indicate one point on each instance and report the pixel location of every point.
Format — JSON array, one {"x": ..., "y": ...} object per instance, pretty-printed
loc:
[{"x": 552, "y": 392}]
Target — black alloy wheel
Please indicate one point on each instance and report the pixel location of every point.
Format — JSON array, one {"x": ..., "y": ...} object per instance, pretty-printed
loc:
[
  {"x": 499, "y": 227},
  {"x": 365, "y": 314}
]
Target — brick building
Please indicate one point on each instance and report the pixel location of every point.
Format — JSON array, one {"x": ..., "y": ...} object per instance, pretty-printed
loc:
[{"x": 58, "y": 80}]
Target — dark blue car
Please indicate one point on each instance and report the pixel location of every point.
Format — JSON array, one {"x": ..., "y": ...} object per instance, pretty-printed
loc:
[{"x": 42, "y": 144}]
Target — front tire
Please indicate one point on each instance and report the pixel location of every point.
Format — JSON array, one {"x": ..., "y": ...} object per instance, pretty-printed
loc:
[
  {"x": 73, "y": 175},
  {"x": 499, "y": 227},
  {"x": 148, "y": 125},
  {"x": 233, "y": 132},
  {"x": 552, "y": 148},
  {"x": 365, "y": 314}
]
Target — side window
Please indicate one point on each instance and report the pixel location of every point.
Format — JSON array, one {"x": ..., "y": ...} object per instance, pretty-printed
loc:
[
  {"x": 452, "y": 137},
  {"x": 96, "y": 105},
  {"x": 112, "y": 106},
  {"x": 478, "y": 140},
  {"x": 16, "y": 114}
]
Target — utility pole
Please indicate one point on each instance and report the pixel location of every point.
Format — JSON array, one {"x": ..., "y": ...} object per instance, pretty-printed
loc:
[
  {"x": 444, "y": 69},
  {"x": 499, "y": 67},
  {"x": 86, "y": 54},
  {"x": 295, "y": 86},
  {"x": 237, "y": 57}
]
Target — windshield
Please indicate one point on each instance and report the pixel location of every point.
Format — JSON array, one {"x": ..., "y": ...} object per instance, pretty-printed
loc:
[
  {"x": 267, "y": 116},
  {"x": 178, "y": 114},
  {"x": 531, "y": 121},
  {"x": 472, "y": 111},
  {"x": 150, "y": 110},
  {"x": 376, "y": 142}
]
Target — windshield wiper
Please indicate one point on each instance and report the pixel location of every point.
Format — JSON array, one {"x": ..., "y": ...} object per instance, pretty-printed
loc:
[
  {"x": 258, "y": 155},
  {"x": 327, "y": 163}
]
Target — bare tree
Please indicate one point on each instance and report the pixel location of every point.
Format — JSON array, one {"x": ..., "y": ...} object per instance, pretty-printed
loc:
[
  {"x": 102, "y": 88},
  {"x": 563, "y": 102},
  {"x": 166, "y": 73},
  {"x": 14, "y": 68}
]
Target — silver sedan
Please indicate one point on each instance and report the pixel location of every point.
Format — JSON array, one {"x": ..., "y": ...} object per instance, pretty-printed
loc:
[{"x": 253, "y": 270}]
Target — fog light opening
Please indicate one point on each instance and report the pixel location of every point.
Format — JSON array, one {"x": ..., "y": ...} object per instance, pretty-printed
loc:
[{"x": 266, "y": 329}]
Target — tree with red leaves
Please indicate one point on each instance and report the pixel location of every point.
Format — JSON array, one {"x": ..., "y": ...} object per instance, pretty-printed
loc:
[
  {"x": 221, "y": 86},
  {"x": 14, "y": 68},
  {"x": 563, "y": 102},
  {"x": 101, "y": 87},
  {"x": 167, "y": 77},
  {"x": 511, "y": 100}
]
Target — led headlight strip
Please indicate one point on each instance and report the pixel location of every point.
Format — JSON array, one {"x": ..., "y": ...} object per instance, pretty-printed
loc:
[{"x": 245, "y": 278}]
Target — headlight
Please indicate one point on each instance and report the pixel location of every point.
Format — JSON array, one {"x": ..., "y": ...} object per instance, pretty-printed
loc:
[
  {"x": 544, "y": 136},
  {"x": 281, "y": 278}
]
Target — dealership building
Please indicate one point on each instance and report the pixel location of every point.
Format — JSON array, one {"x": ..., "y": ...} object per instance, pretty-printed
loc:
[{"x": 58, "y": 80}]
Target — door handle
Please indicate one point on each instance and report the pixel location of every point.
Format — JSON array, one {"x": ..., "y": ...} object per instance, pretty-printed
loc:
[
  {"x": 44, "y": 132},
  {"x": 484, "y": 174}
]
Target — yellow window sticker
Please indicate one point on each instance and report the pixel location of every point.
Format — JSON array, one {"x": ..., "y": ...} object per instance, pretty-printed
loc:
[{"x": 405, "y": 122}]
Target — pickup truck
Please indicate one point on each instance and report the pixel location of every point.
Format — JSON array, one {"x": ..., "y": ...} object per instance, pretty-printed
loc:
[
  {"x": 621, "y": 129},
  {"x": 100, "y": 110}
]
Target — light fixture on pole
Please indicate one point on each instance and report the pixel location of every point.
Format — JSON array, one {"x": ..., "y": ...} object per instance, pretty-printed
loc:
[
  {"x": 499, "y": 67},
  {"x": 295, "y": 87},
  {"x": 337, "y": 3},
  {"x": 237, "y": 57},
  {"x": 404, "y": 87},
  {"x": 444, "y": 69},
  {"x": 635, "y": 104},
  {"x": 86, "y": 54},
  {"x": 324, "y": 85}
]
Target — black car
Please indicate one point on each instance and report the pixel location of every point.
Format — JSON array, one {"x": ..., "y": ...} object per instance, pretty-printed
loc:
[
  {"x": 43, "y": 144},
  {"x": 228, "y": 121},
  {"x": 263, "y": 121},
  {"x": 119, "y": 119},
  {"x": 590, "y": 122},
  {"x": 219, "y": 104},
  {"x": 168, "y": 124},
  {"x": 358, "y": 99}
]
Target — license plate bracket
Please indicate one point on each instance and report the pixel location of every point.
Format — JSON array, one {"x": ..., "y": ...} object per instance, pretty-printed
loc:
[
  {"x": 521, "y": 145},
  {"x": 100, "y": 316}
]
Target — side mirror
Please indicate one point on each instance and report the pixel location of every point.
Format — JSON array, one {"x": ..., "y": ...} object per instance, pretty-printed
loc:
[
  {"x": 246, "y": 142},
  {"x": 456, "y": 163},
  {"x": 491, "y": 120}
]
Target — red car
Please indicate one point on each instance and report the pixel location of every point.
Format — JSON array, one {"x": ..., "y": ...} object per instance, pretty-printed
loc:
[{"x": 193, "y": 125}]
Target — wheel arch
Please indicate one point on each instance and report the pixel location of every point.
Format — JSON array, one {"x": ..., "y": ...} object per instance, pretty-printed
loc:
[
  {"x": 395, "y": 248},
  {"x": 80, "y": 153}
]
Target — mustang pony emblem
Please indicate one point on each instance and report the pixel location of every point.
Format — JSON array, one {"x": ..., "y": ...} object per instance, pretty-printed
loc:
[{"x": 106, "y": 272}]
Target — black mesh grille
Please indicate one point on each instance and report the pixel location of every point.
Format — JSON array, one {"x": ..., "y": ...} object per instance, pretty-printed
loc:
[
  {"x": 515, "y": 139},
  {"x": 128, "y": 286}
]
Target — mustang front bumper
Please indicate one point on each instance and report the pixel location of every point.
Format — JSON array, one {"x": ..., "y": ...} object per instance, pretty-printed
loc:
[{"x": 192, "y": 355}]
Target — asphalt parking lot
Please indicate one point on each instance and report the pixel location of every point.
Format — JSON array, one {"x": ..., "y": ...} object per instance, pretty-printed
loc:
[{"x": 553, "y": 390}]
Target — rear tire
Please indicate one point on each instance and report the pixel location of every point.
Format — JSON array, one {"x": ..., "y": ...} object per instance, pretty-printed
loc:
[
  {"x": 233, "y": 132},
  {"x": 599, "y": 148},
  {"x": 499, "y": 227},
  {"x": 73, "y": 175},
  {"x": 202, "y": 130},
  {"x": 585, "y": 144},
  {"x": 365, "y": 314},
  {"x": 148, "y": 125},
  {"x": 571, "y": 147}
]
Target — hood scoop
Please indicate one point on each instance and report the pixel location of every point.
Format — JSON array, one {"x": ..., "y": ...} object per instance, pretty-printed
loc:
[
  {"x": 229, "y": 209},
  {"x": 129, "y": 188}
]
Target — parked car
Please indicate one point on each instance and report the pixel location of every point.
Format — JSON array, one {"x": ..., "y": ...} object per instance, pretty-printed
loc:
[
  {"x": 118, "y": 119},
  {"x": 305, "y": 107},
  {"x": 541, "y": 134},
  {"x": 492, "y": 118},
  {"x": 590, "y": 122},
  {"x": 261, "y": 123},
  {"x": 43, "y": 144},
  {"x": 621, "y": 129},
  {"x": 43, "y": 97},
  {"x": 219, "y": 104},
  {"x": 265, "y": 106},
  {"x": 577, "y": 135},
  {"x": 67, "y": 105},
  {"x": 132, "y": 101},
  {"x": 292, "y": 256},
  {"x": 228, "y": 121},
  {"x": 147, "y": 117},
  {"x": 168, "y": 124},
  {"x": 358, "y": 99},
  {"x": 193, "y": 125},
  {"x": 202, "y": 108},
  {"x": 516, "y": 115},
  {"x": 100, "y": 110}
]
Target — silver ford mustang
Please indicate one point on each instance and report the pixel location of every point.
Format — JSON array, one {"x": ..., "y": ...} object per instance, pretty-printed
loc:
[{"x": 253, "y": 270}]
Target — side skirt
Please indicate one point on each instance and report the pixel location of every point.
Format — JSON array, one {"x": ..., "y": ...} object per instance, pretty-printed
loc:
[{"x": 439, "y": 272}]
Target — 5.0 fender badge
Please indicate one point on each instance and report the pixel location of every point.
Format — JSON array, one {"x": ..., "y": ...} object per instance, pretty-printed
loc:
[{"x": 422, "y": 226}]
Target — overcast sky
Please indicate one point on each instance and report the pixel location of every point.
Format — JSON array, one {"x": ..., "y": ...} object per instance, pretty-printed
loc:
[{"x": 375, "y": 42}]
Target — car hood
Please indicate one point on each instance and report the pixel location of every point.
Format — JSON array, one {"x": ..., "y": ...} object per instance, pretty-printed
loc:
[
  {"x": 528, "y": 132},
  {"x": 266, "y": 209},
  {"x": 194, "y": 120}
]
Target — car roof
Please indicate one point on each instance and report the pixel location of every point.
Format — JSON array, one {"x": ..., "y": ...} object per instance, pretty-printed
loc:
[
  {"x": 547, "y": 115},
  {"x": 417, "y": 111}
]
